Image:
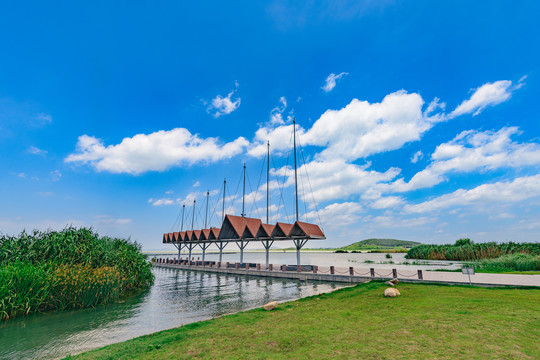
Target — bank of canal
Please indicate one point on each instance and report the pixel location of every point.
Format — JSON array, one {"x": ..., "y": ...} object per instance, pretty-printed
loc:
[{"x": 177, "y": 297}]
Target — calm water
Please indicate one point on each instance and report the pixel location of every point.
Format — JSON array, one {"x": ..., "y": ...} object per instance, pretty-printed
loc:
[
  {"x": 177, "y": 297},
  {"x": 357, "y": 260}
]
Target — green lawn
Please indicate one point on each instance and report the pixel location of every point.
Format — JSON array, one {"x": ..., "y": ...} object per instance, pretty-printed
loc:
[{"x": 425, "y": 322}]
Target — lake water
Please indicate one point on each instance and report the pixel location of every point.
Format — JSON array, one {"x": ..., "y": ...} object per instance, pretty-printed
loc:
[
  {"x": 177, "y": 297},
  {"x": 325, "y": 259}
]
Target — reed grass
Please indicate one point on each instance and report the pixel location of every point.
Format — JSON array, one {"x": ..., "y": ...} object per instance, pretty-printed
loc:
[
  {"x": 73, "y": 268},
  {"x": 467, "y": 250}
]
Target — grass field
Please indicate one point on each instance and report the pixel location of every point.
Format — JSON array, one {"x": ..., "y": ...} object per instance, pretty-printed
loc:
[{"x": 425, "y": 322}]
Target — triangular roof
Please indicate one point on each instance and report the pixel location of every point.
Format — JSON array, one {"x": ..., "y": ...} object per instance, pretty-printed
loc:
[
  {"x": 205, "y": 234},
  {"x": 169, "y": 237},
  {"x": 181, "y": 236},
  {"x": 196, "y": 236},
  {"x": 282, "y": 230},
  {"x": 175, "y": 237},
  {"x": 165, "y": 236},
  {"x": 265, "y": 230},
  {"x": 303, "y": 229},
  {"x": 214, "y": 233},
  {"x": 187, "y": 236},
  {"x": 252, "y": 227},
  {"x": 232, "y": 227}
]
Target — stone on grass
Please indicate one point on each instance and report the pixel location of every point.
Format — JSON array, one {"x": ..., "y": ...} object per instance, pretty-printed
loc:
[
  {"x": 394, "y": 281},
  {"x": 391, "y": 292},
  {"x": 270, "y": 306}
]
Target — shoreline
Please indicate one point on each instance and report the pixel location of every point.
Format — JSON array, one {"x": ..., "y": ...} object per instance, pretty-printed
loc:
[{"x": 364, "y": 320}]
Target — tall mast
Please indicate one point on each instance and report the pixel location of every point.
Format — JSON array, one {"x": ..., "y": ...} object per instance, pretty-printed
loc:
[
  {"x": 223, "y": 208},
  {"x": 193, "y": 217},
  {"x": 268, "y": 185},
  {"x": 295, "y": 171},
  {"x": 183, "y": 210},
  {"x": 244, "y": 193},
  {"x": 206, "y": 215}
]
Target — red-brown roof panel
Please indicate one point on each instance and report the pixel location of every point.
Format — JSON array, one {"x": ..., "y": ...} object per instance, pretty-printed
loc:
[
  {"x": 196, "y": 235},
  {"x": 306, "y": 229},
  {"x": 265, "y": 231},
  {"x": 282, "y": 230},
  {"x": 214, "y": 233}
]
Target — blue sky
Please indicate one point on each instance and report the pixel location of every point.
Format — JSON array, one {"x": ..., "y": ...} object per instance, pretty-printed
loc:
[{"x": 417, "y": 120}]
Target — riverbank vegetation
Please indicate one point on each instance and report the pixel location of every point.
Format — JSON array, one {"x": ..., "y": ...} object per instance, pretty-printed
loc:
[
  {"x": 425, "y": 322},
  {"x": 73, "y": 268},
  {"x": 485, "y": 257},
  {"x": 378, "y": 246}
]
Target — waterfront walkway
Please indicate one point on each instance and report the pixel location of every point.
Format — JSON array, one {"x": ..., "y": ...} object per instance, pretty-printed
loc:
[{"x": 351, "y": 274}]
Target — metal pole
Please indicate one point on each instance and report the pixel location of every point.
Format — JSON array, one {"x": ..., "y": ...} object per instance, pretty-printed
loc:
[
  {"x": 193, "y": 217},
  {"x": 220, "y": 251},
  {"x": 223, "y": 208},
  {"x": 206, "y": 215},
  {"x": 267, "y": 252},
  {"x": 268, "y": 185},
  {"x": 244, "y": 192},
  {"x": 241, "y": 251},
  {"x": 297, "y": 243},
  {"x": 183, "y": 210},
  {"x": 295, "y": 171},
  {"x": 267, "y": 247}
]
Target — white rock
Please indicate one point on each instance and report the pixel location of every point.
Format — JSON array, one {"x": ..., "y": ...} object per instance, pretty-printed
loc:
[
  {"x": 270, "y": 306},
  {"x": 391, "y": 292}
]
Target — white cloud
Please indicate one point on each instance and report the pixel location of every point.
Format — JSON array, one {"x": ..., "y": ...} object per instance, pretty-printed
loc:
[
  {"x": 489, "y": 94},
  {"x": 36, "y": 151},
  {"x": 519, "y": 189},
  {"x": 43, "y": 119},
  {"x": 473, "y": 151},
  {"x": 196, "y": 184},
  {"x": 336, "y": 215},
  {"x": 356, "y": 131},
  {"x": 160, "y": 202},
  {"x": 276, "y": 117},
  {"x": 56, "y": 175},
  {"x": 417, "y": 156},
  {"x": 157, "y": 151},
  {"x": 107, "y": 219},
  {"x": 336, "y": 179},
  {"x": 224, "y": 105},
  {"x": 361, "y": 129},
  {"x": 330, "y": 82}
]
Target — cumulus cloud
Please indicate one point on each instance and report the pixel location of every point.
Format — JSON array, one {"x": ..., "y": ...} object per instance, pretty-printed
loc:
[
  {"x": 361, "y": 128},
  {"x": 489, "y": 94},
  {"x": 276, "y": 117},
  {"x": 161, "y": 202},
  {"x": 330, "y": 82},
  {"x": 473, "y": 151},
  {"x": 337, "y": 214},
  {"x": 336, "y": 179},
  {"x": 224, "y": 105},
  {"x": 36, "y": 151},
  {"x": 356, "y": 131},
  {"x": 157, "y": 151},
  {"x": 417, "y": 156},
  {"x": 519, "y": 189}
]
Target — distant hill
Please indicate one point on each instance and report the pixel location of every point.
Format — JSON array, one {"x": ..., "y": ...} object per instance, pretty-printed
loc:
[{"x": 380, "y": 243}]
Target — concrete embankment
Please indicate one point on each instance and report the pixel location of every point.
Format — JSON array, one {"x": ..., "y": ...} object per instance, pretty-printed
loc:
[{"x": 355, "y": 275}]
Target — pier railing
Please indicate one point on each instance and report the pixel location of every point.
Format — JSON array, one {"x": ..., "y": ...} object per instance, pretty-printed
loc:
[{"x": 306, "y": 269}]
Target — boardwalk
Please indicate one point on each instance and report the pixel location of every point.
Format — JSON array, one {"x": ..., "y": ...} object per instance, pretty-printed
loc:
[{"x": 351, "y": 274}]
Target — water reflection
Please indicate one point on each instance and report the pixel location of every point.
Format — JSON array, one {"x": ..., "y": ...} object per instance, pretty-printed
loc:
[{"x": 178, "y": 297}]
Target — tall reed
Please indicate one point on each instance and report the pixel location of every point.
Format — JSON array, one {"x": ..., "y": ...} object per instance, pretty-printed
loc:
[
  {"x": 72, "y": 268},
  {"x": 465, "y": 249}
]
